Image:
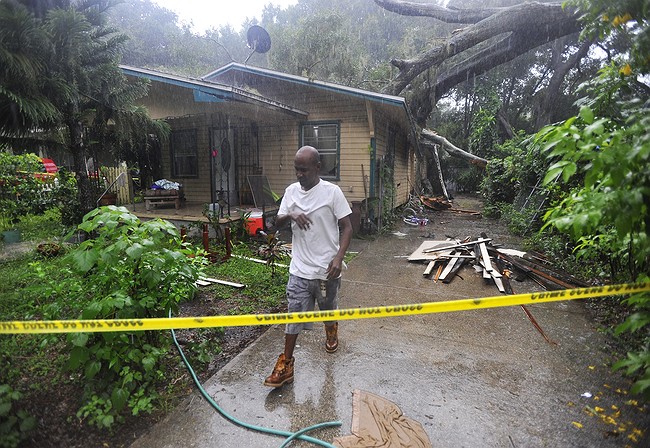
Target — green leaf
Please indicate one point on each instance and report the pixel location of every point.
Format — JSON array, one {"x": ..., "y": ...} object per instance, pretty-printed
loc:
[
  {"x": 148, "y": 363},
  {"x": 85, "y": 260},
  {"x": 92, "y": 368},
  {"x": 587, "y": 114},
  {"x": 107, "y": 421},
  {"x": 79, "y": 339},
  {"x": 568, "y": 171},
  {"x": 5, "y": 407},
  {"x": 27, "y": 424},
  {"x": 596, "y": 128},
  {"x": 135, "y": 250},
  {"x": 119, "y": 398},
  {"x": 78, "y": 356},
  {"x": 554, "y": 171},
  {"x": 91, "y": 311}
]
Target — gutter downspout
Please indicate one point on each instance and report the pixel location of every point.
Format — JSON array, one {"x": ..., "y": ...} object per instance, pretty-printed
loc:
[{"x": 372, "y": 147}]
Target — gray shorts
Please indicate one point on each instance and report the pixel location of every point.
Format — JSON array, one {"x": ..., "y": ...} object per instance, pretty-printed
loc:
[{"x": 302, "y": 294}]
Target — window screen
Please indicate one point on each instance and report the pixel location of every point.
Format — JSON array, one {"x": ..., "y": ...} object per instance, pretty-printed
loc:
[
  {"x": 185, "y": 161},
  {"x": 325, "y": 138}
]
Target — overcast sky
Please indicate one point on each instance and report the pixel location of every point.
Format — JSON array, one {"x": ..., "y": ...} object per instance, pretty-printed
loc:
[{"x": 205, "y": 14}]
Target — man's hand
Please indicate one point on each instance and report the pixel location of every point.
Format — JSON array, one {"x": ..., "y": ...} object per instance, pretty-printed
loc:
[
  {"x": 335, "y": 268},
  {"x": 302, "y": 220}
]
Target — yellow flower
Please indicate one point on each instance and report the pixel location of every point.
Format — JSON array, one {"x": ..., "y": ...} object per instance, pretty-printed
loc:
[
  {"x": 619, "y": 20},
  {"x": 577, "y": 425},
  {"x": 626, "y": 70}
]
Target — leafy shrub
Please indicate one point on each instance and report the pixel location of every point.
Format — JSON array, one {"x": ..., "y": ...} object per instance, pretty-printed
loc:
[
  {"x": 607, "y": 213},
  {"x": 128, "y": 269},
  {"x": 14, "y": 423},
  {"x": 21, "y": 192}
]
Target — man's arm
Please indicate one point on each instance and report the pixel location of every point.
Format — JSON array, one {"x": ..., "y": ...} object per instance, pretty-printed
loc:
[
  {"x": 301, "y": 219},
  {"x": 336, "y": 265}
]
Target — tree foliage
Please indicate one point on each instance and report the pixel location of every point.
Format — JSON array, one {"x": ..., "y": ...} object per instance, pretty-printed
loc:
[
  {"x": 76, "y": 96},
  {"x": 607, "y": 148}
]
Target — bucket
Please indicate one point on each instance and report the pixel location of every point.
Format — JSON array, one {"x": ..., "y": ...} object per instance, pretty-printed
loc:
[{"x": 254, "y": 223}]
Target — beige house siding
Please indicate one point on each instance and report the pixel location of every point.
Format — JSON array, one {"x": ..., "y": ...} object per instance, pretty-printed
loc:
[{"x": 277, "y": 134}]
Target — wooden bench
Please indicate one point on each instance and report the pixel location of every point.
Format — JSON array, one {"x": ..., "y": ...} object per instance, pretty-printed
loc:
[{"x": 157, "y": 197}]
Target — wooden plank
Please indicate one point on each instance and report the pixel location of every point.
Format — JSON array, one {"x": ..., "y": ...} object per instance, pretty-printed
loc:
[
  {"x": 454, "y": 246},
  {"x": 459, "y": 264},
  {"x": 438, "y": 274},
  {"x": 429, "y": 268},
  {"x": 447, "y": 270},
  {"x": 499, "y": 283},
  {"x": 257, "y": 260},
  {"x": 419, "y": 255},
  {"x": 485, "y": 257}
]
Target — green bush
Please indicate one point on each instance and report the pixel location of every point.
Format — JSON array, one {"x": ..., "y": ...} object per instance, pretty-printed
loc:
[
  {"x": 127, "y": 269},
  {"x": 607, "y": 212},
  {"x": 15, "y": 424}
]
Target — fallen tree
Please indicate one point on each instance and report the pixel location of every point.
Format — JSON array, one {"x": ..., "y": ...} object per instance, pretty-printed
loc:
[{"x": 488, "y": 38}]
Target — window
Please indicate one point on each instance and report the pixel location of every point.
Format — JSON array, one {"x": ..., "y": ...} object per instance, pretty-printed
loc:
[
  {"x": 185, "y": 160},
  {"x": 325, "y": 138}
]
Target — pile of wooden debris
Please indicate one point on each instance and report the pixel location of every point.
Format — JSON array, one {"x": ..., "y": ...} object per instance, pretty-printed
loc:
[{"x": 445, "y": 258}]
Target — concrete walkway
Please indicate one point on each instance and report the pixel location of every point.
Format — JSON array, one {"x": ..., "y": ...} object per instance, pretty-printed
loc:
[{"x": 472, "y": 379}]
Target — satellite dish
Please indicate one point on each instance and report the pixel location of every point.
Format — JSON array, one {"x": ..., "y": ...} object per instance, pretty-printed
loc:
[{"x": 258, "y": 40}]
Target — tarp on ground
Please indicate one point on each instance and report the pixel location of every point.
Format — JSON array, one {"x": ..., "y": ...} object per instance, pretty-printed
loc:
[{"x": 380, "y": 423}]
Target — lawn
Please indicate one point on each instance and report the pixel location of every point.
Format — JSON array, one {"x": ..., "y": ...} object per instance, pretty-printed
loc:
[{"x": 46, "y": 398}]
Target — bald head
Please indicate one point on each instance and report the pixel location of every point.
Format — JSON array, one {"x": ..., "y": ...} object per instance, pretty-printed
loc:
[
  {"x": 309, "y": 154},
  {"x": 307, "y": 164}
]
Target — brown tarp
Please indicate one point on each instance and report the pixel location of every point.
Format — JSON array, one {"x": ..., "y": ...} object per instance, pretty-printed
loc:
[{"x": 379, "y": 423}]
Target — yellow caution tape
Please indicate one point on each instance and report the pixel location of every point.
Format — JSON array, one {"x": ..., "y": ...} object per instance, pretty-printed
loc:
[{"x": 105, "y": 325}]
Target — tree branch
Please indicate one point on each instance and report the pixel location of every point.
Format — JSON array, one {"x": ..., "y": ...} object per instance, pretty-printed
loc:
[
  {"x": 453, "y": 150},
  {"x": 443, "y": 14},
  {"x": 529, "y": 25}
]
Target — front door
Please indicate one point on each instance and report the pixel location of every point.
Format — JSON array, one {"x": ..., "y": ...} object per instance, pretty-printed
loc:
[{"x": 224, "y": 183}]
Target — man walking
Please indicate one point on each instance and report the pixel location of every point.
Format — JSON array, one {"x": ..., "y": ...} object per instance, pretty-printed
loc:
[{"x": 317, "y": 209}]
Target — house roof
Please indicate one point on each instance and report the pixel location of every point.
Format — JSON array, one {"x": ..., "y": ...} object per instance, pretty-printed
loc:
[
  {"x": 365, "y": 94},
  {"x": 384, "y": 100},
  {"x": 208, "y": 91}
]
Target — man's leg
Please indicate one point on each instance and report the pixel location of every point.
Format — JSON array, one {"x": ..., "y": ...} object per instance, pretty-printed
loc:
[
  {"x": 289, "y": 345},
  {"x": 283, "y": 370},
  {"x": 329, "y": 301},
  {"x": 300, "y": 298}
]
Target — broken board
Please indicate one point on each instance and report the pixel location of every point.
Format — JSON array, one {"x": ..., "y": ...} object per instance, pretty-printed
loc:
[{"x": 420, "y": 255}]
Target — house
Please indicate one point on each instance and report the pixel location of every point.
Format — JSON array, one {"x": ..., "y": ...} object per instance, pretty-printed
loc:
[{"x": 235, "y": 132}]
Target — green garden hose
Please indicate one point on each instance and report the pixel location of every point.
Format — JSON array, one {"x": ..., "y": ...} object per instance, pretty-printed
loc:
[{"x": 290, "y": 435}]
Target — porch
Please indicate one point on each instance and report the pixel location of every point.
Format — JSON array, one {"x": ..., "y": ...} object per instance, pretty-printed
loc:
[{"x": 193, "y": 212}]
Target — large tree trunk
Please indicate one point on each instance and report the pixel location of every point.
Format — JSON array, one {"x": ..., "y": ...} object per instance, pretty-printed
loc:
[
  {"x": 504, "y": 33},
  {"x": 545, "y": 97},
  {"x": 78, "y": 151}
]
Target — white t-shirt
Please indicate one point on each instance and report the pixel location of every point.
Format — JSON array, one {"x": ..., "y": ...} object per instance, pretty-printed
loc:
[{"x": 314, "y": 248}]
